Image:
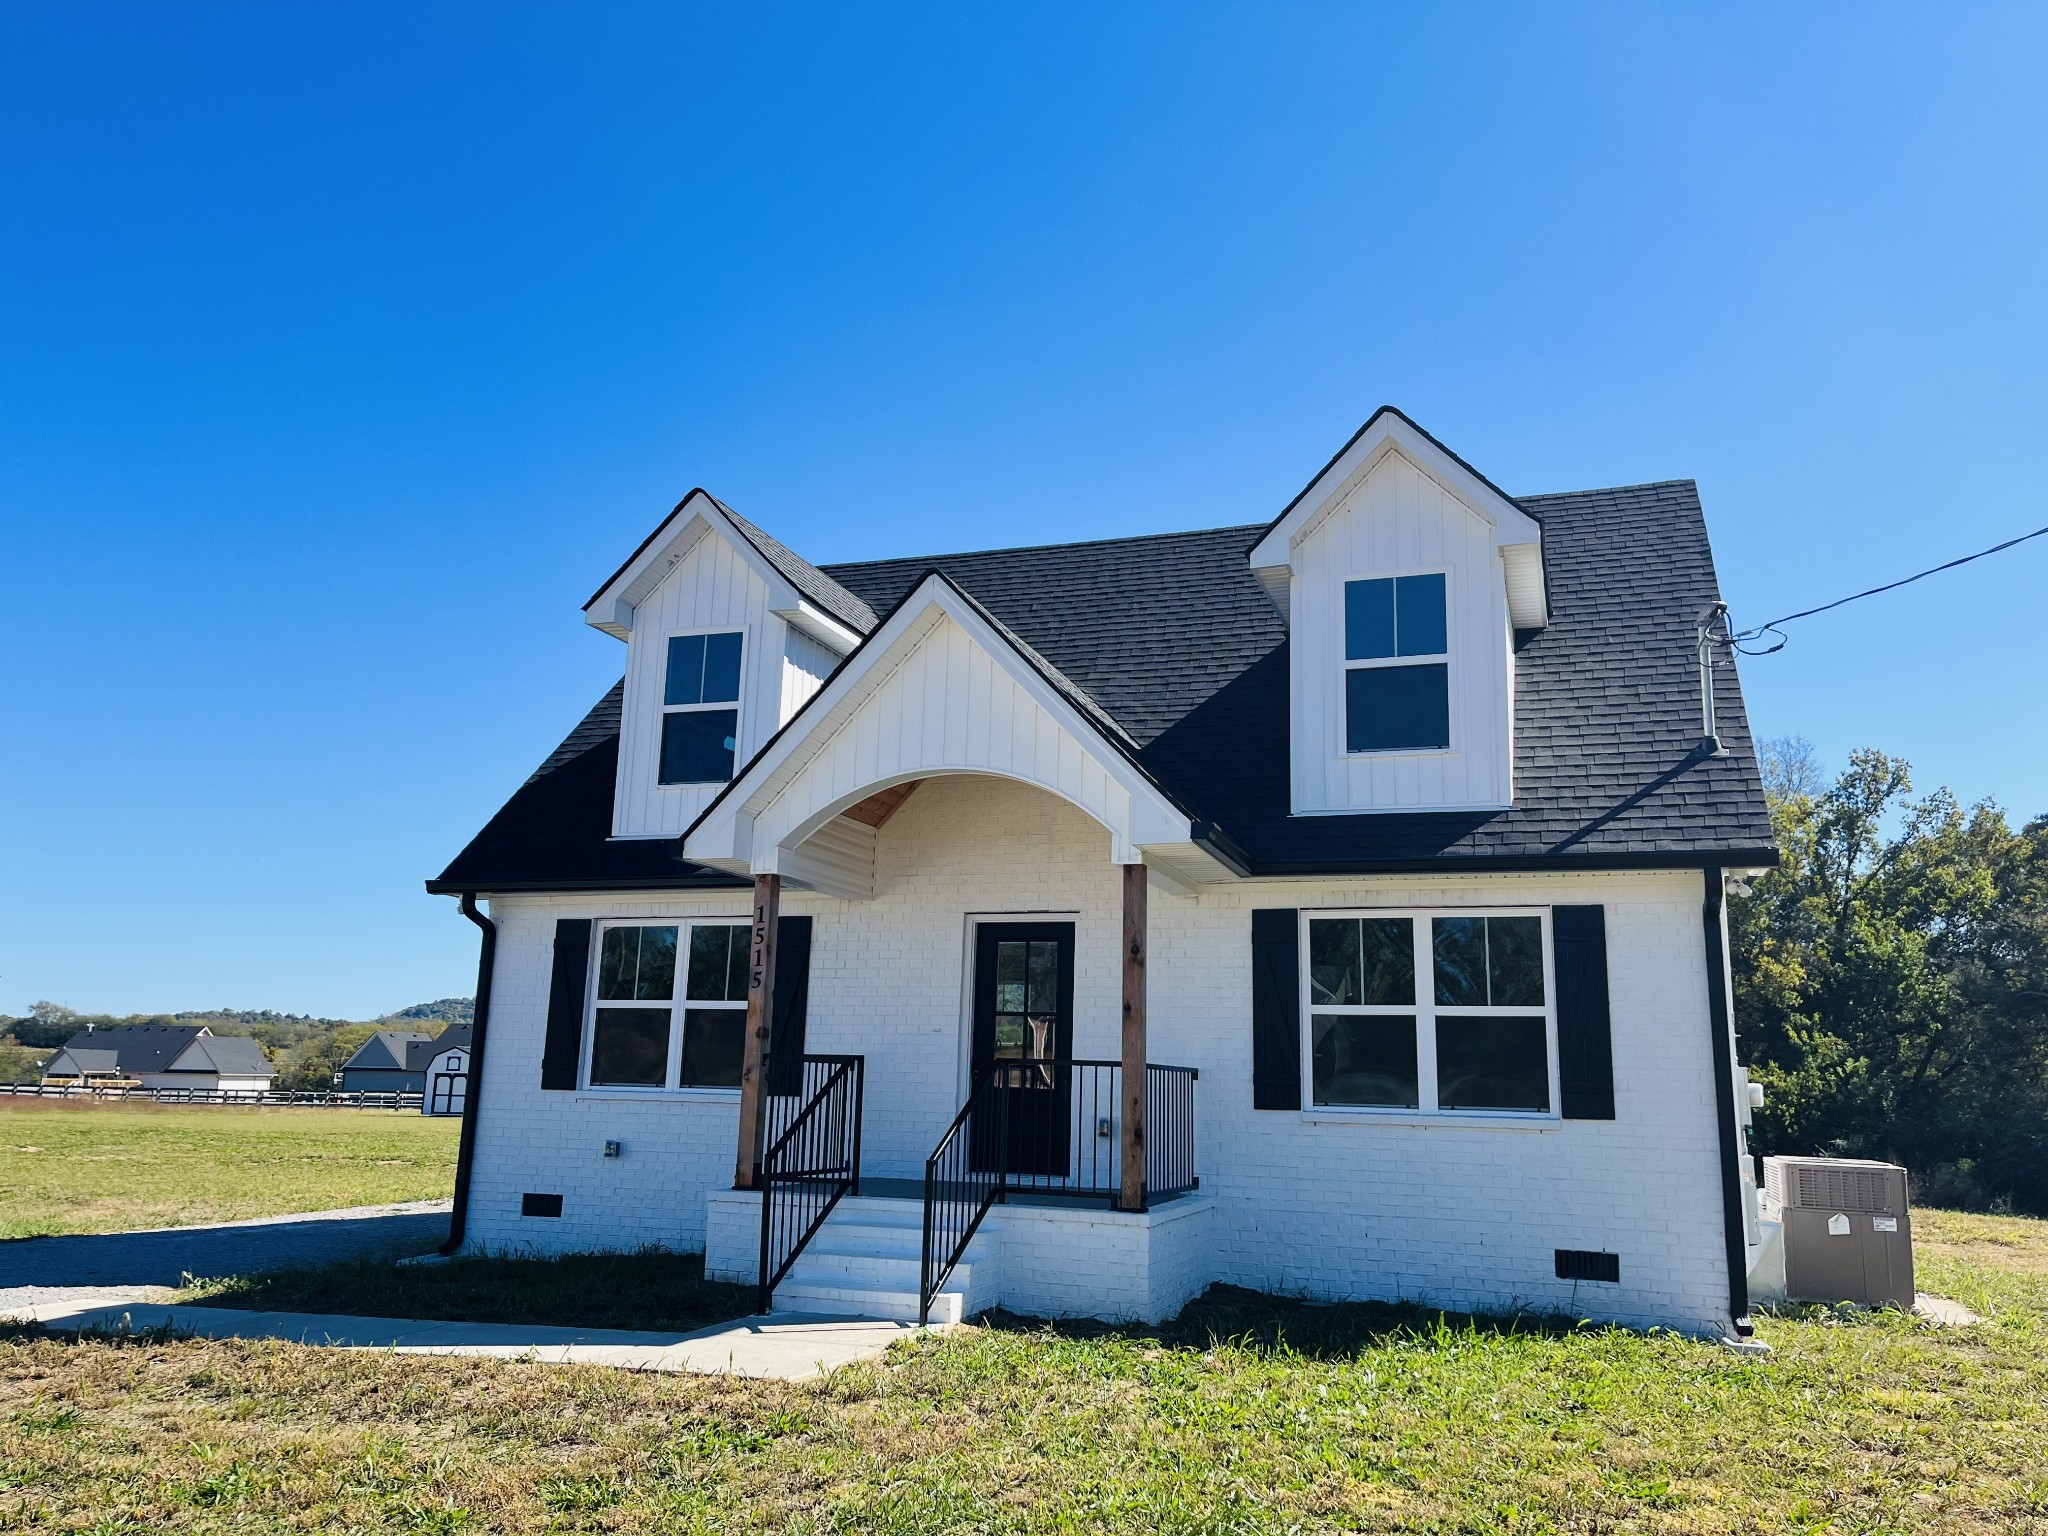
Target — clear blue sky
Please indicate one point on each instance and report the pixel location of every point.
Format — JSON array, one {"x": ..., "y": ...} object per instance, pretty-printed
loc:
[{"x": 345, "y": 349}]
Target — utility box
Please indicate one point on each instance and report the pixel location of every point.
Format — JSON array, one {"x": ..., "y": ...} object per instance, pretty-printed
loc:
[{"x": 1848, "y": 1234}]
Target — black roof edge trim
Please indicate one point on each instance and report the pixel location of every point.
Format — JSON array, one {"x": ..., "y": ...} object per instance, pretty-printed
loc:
[
  {"x": 674, "y": 513},
  {"x": 882, "y": 623},
  {"x": 1429, "y": 436},
  {"x": 484, "y": 889},
  {"x": 1704, "y": 858},
  {"x": 1218, "y": 844}
]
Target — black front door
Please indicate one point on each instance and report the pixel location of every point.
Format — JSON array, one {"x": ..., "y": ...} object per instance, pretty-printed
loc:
[{"x": 1024, "y": 1034}]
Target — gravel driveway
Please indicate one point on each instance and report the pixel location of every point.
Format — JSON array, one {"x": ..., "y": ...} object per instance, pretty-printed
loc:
[{"x": 34, "y": 1269}]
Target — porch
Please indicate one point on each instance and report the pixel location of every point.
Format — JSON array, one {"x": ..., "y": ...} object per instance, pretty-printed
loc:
[{"x": 1034, "y": 1163}]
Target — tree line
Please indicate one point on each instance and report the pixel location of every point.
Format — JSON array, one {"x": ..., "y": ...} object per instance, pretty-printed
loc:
[{"x": 1892, "y": 981}]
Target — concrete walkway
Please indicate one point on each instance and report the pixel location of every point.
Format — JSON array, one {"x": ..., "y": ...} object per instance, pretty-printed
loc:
[
  {"x": 784, "y": 1346},
  {"x": 165, "y": 1255}
]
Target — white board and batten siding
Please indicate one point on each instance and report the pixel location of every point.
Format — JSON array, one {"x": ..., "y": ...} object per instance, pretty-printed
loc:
[
  {"x": 712, "y": 588},
  {"x": 1400, "y": 521},
  {"x": 943, "y": 704}
]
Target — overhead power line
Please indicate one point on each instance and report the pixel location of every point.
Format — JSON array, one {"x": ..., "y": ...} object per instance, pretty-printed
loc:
[{"x": 1740, "y": 641}]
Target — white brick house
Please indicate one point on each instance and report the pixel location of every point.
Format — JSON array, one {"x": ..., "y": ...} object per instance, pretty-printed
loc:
[{"x": 1330, "y": 906}]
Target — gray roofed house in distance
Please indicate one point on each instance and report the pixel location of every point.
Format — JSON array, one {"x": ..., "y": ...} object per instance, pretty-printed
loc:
[{"x": 162, "y": 1056}]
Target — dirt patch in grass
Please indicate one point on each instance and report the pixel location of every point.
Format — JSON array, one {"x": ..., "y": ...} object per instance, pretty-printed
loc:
[
  {"x": 113, "y": 1168},
  {"x": 1247, "y": 1415},
  {"x": 651, "y": 1290}
]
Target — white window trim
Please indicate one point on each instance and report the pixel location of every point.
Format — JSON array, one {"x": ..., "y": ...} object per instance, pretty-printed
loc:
[
  {"x": 672, "y": 1088},
  {"x": 1346, "y": 666},
  {"x": 1426, "y": 1011},
  {"x": 737, "y": 705}
]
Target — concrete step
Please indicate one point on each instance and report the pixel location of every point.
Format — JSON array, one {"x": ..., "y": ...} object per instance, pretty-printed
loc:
[
  {"x": 881, "y": 1242},
  {"x": 877, "y": 1273},
  {"x": 948, "y": 1306}
]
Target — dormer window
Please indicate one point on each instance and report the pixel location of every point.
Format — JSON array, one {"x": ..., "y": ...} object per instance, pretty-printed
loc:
[
  {"x": 700, "y": 719},
  {"x": 1394, "y": 702}
]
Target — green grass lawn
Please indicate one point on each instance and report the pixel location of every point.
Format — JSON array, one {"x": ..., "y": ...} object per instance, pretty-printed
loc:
[
  {"x": 648, "y": 1290},
  {"x": 106, "y": 1168},
  {"x": 1247, "y": 1415}
]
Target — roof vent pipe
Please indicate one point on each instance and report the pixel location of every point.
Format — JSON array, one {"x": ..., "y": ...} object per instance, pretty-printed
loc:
[{"x": 1710, "y": 735}]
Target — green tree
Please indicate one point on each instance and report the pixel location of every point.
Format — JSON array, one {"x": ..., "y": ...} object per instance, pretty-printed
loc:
[{"x": 1883, "y": 973}]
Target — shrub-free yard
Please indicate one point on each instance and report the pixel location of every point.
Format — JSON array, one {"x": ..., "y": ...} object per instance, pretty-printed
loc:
[
  {"x": 649, "y": 1289},
  {"x": 1247, "y": 1415},
  {"x": 107, "y": 1168}
]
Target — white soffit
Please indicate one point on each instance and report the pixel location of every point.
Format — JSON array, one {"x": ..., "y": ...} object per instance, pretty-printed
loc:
[
  {"x": 1517, "y": 535},
  {"x": 697, "y": 515}
]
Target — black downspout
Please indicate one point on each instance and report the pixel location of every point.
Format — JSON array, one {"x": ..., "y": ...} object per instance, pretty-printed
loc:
[
  {"x": 472, "y": 1093},
  {"x": 1719, "y": 1020}
]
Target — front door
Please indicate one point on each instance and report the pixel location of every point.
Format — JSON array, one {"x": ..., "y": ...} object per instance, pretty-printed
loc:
[{"x": 1024, "y": 1034}]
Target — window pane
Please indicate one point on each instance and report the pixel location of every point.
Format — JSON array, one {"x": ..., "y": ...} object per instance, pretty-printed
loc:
[
  {"x": 1365, "y": 1060},
  {"x": 1514, "y": 961},
  {"x": 1010, "y": 1035},
  {"x": 1419, "y": 615},
  {"x": 736, "y": 963},
  {"x": 1387, "y": 952},
  {"x": 630, "y": 1047},
  {"x": 657, "y": 963},
  {"x": 617, "y": 959},
  {"x": 1491, "y": 1064},
  {"x": 714, "y": 1042},
  {"x": 697, "y": 748},
  {"x": 685, "y": 681},
  {"x": 1391, "y": 709},
  {"x": 1460, "y": 945},
  {"x": 1368, "y": 620},
  {"x": 1333, "y": 962},
  {"x": 1010, "y": 975},
  {"x": 722, "y": 666},
  {"x": 1045, "y": 976},
  {"x": 712, "y": 950}
]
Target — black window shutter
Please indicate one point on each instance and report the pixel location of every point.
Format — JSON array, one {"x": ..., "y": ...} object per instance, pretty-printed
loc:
[
  {"x": 1276, "y": 1008},
  {"x": 792, "y": 1000},
  {"x": 1585, "y": 1047},
  {"x": 563, "y": 1050}
]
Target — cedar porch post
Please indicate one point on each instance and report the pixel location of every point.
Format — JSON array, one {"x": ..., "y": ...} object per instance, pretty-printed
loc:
[
  {"x": 1131, "y": 1197},
  {"x": 760, "y": 1021}
]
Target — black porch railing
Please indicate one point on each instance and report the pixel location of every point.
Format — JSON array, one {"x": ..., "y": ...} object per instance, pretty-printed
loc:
[
  {"x": 812, "y": 1111},
  {"x": 1050, "y": 1128}
]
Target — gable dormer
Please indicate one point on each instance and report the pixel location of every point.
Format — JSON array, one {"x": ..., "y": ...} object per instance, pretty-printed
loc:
[
  {"x": 727, "y": 634},
  {"x": 1403, "y": 575}
]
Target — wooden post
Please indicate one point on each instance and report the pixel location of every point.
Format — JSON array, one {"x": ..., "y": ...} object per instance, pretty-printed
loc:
[
  {"x": 760, "y": 1023},
  {"x": 1131, "y": 1197}
]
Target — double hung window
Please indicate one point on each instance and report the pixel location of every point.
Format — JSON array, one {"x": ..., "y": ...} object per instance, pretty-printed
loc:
[
  {"x": 700, "y": 718},
  {"x": 1395, "y": 701},
  {"x": 1430, "y": 1011},
  {"x": 642, "y": 1034}
]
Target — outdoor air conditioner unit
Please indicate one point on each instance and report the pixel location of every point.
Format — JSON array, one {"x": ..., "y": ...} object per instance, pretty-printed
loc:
[{"x": 1848, "y": 1235}]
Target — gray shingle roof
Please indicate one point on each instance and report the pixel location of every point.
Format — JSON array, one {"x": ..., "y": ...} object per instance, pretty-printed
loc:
[
  {"x": 419, "y": 1054},
  {"x": 1172, "y": 637},
  {"x": 820, "y": 588},
  {"x": 140, "y": 1047},
  {"x": 232, "y": 1056},
  {"x": 385, "y": 1050}
]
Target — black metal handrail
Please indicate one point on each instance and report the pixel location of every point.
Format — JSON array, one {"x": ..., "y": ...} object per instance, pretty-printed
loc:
[
  {"x": 812, "y": 1158},
  {"x": 1051, "y": 1128}
]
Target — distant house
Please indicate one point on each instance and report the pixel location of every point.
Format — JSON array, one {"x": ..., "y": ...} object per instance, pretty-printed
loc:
[
  {"x": 383, "y": 1063},
  {"x": 443, "y": 1063},
  {"x": 162, "y": 1056}
]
